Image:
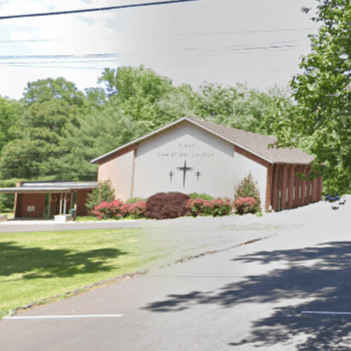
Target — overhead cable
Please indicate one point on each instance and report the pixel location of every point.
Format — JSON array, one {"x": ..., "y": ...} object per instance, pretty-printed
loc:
[{"x": 95, "y": 9}]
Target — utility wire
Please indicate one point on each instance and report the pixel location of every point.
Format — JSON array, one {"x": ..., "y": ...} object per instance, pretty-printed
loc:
[
  {"x": 90, "y": 56},
  {"x": 96, "y": 9}
]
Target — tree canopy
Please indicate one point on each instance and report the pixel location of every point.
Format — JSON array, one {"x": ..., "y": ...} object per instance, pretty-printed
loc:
[
  {"x": 323, "y": 95},
  {"x": 55, "y": 130}
]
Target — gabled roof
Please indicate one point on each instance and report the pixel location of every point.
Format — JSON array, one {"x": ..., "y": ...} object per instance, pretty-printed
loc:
[{"x": 256, "y": 144}]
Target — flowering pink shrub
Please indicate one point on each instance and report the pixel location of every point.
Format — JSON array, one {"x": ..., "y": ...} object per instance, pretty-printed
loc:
[
  {"x": 118, "y": 209},
  {"x": 245, "y": 205},
  {"x": 216, "y": 207}
]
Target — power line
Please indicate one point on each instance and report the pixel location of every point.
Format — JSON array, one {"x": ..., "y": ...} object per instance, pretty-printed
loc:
[
  {"x": 90, "y": 56},
  {"x": 233, "y": 32},
  {"x": 96, "y": 9}
]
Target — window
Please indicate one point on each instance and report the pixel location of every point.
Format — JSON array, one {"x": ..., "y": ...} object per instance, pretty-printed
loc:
[
  {"x": 300, "y": 192},
  {"x": 311, "y": 190},
  {"x": 287, "y": 195},
  {"x": 293, "y": 193}
]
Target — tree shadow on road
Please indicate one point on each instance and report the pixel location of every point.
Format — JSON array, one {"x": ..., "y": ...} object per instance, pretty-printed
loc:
[
  {"x": 319, "y": 275},
  {"x": 35, "y": 263}
]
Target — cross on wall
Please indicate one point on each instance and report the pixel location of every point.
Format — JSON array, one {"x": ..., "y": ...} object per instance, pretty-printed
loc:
[{"x": 184, "y": 169}]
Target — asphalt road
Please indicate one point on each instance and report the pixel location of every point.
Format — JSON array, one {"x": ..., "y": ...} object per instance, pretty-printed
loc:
[{"x": 251, "y": 297}]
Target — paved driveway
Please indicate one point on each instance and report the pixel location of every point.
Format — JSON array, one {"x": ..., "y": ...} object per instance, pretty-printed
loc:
[{"x": 252, "y": 297}]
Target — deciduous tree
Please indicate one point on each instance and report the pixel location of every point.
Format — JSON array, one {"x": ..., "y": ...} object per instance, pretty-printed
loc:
[{"x": 323, "y": 95}]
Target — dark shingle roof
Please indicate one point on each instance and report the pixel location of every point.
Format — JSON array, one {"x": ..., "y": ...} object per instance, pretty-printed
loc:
[{"x": 257, "y": 144}]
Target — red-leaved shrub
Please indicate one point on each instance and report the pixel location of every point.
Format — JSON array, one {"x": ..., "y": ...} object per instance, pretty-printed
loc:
[
  {"x": 215, "y": 207},
  {"x": 245, "y": 205},
  {"x": 118, "y": 209},
  {"x": 166, "y": 205}
]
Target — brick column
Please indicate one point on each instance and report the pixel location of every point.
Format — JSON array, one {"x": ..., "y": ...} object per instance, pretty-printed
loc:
[
  {"x": 269, "y": 187},
  {"x": 285, "y": 185},
  {"x": 305, "y": 193},
  {"x": 320, "y": 188},
  {"x": 299, "y": 190},
  {"x": 275, "y": 188},
  {"x": 291, "y": 186}
]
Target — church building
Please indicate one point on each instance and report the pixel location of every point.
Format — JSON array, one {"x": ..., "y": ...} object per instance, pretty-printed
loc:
[{"x": 192, "y": 155}]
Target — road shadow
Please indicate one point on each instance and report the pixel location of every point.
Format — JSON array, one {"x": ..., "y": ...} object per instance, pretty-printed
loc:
[
  {"x": 319, "y": 275},
  {"x": 36, "y": 263}
]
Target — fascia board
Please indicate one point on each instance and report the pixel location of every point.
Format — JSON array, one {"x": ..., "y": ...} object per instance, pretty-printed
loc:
[{"x": 95, "y": 160}]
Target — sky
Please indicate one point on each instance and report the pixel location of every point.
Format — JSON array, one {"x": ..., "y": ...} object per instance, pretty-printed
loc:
[{"x": 253, "y": 42}]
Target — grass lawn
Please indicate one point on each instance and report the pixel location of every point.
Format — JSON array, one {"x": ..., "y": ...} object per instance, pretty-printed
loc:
[
  {"x": 94, "y": 219},
  {"x": 38, "y": 265}
]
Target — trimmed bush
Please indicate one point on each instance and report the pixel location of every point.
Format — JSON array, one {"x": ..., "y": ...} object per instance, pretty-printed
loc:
[
  {"x": 103, "y": 193},
  {"x": 195, "y": 196},
  {"x": 245, "y": 205},
  {"x": 117, "y": 209},
  {"x": 248, "y": 188},
  {"x": 202, "y": 207},
  {"x": 166, "y": 205}
]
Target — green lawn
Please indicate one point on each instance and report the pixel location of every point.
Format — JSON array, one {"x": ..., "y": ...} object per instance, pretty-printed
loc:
[
  {"x": 94, "y": 219},
  {"x": 38, "y": 265}
]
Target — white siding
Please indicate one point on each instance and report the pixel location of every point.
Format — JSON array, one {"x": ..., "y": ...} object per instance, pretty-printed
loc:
[
  {"x": 119, "y": 171},
  {"x": 219, "y": 168},
  {"x": 243, "y": 166}
]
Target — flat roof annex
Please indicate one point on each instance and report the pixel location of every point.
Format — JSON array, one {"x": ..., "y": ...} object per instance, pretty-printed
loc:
[
  {"x": 256, "y": 144},
  {"x": 49, "y": 187}
]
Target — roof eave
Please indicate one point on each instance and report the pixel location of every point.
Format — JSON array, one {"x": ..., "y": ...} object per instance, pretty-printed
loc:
[
  {"x": 232, "y": 142},
  {"x": 96, "y": 160}
]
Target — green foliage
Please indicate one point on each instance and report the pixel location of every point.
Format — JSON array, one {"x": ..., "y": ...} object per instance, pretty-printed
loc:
[
  {"x": 134, "y": 200},
  {"x": 137, "y": 90},
  {"x": 10, "y": 112},
  {"x": 248, "y": 188},
  {"x": 103, "y": 192},
  {"x": 38, "y": 141},
  {"x": 45, "y": 90},
  {"x": 241, "y": 108},
  {"x": 323, "y": 96},
  {"x": 7, "y": 200},
  {"x": 94, "y": 135},
  {"x": 55, "y": 130},
  {"x": 195, "y": 196}
]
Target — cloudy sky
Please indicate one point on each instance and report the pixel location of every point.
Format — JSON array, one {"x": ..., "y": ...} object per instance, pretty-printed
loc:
[{"x": 258, "y": 42}]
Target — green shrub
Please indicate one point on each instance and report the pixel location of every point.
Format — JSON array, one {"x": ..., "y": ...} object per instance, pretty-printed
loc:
[
  {"x": 134, "y": 200},
  {"x": 196, "y": 196},
  {"x": 103, "y": 192},
  {"x": 7, "y": 200},
  {"x": 248, "y": 188}
]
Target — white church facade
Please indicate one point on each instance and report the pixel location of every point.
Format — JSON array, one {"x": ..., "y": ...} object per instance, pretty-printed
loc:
[{"x": 192, "y": 155}]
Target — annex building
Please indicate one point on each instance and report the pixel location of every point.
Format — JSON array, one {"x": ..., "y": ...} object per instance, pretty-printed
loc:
[
  {"x": 192, "y": 155},
  {"x": 44, "y": 200}
]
